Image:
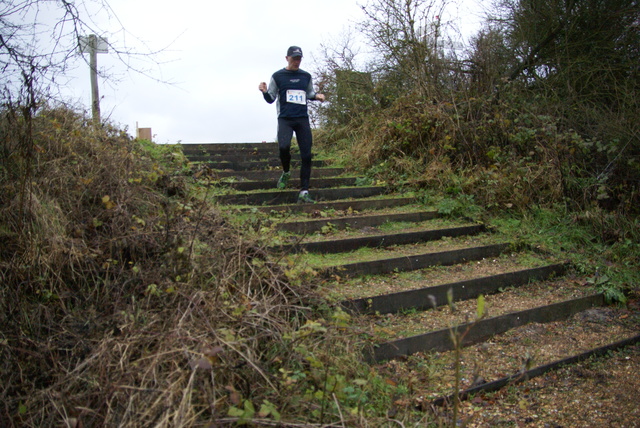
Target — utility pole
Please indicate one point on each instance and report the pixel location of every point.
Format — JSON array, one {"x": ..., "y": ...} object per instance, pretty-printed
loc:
[{"x": 94, "y": 45}]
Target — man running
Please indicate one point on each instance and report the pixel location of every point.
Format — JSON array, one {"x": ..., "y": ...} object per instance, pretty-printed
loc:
[{"x": 292, "y": 87}]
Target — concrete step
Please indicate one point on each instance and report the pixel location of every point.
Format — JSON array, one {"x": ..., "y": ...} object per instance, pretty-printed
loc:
[{"x": 525, "y": 375}]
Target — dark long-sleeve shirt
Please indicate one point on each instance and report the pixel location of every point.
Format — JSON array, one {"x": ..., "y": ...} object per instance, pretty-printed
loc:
[{"x": 291, "y": 90}]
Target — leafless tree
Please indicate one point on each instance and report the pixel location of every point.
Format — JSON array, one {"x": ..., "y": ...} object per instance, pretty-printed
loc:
[
  {"x": 407, "y": 35},
  {"x": 39, "y": 42}
]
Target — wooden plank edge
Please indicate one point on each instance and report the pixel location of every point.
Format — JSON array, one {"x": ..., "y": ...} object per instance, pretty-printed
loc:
[
  {"x": 355, "y": 204},
  {"x": 537, "y": 371},
  {"x": 462, "y": 290},
  {"x": 380, "y": 241},
  {"x": 479, "y": 331},
  {"x": 415, "y": 261},
  {"x": 307, "y": 226}
]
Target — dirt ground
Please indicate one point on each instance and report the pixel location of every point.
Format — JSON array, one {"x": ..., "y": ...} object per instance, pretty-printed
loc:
[
  {"x": 598, "y": 392},
  {"x": 601, "y": 392}
]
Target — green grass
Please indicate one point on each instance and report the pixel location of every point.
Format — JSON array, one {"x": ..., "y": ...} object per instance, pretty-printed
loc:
[
  {"x": 612, "y": 265},
  {"x": 370, "y": 254}
]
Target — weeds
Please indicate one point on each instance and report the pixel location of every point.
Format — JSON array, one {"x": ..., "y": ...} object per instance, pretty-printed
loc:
[
  {"x": 595, "y": 244},
  {"x": 129, "y": 299},
  {"x": 126, "y": 301}
]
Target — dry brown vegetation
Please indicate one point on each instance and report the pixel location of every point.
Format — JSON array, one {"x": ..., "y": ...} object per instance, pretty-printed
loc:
[
  {"x": 125, "y": 300},
  {"x": 540, "y": 110},
  {"x": 506, "y": 153},
  {"x": 128, "y": 300}
]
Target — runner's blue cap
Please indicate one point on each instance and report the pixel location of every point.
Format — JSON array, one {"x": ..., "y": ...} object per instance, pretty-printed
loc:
[{"x": 294, "y": 51}]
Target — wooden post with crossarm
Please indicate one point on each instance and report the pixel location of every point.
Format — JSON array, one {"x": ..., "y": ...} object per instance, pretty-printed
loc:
[{"x": 94, "y": 45}]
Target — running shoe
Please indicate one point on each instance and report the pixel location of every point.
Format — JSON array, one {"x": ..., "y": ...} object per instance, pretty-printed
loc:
[
  {"x": 284, "y": 180},
  {"x": 305, "y": 198}
]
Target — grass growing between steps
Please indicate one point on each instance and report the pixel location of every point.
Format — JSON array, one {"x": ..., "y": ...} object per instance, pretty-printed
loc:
[
  {"x": 319, "y": 261},
  {"x": 241, "y": 214},
  {"x": 129, "y": 299},
  {"x": 331, "y": 232},
  {"x": 429, "y": 375},
  {"x": 414, "y": 382},
  {"x": 368, "y": 286},
  {"x": 603, "y": 246},
  {"x": 412, "y": 322},
  {"x": 323, "y": 212},
  {"x": 318, "y": 206}
]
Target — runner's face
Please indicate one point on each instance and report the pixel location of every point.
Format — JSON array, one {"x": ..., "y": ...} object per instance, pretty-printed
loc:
[{"x": 293, "y": 62}]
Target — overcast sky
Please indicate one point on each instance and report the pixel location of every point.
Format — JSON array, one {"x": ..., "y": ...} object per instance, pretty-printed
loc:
[{"x": 218, "y": 52}]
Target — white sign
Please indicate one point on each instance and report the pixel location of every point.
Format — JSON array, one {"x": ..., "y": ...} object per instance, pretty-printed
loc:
[
  {"x": 102, "y": 46},
  {"x": 296, "y": 96}
]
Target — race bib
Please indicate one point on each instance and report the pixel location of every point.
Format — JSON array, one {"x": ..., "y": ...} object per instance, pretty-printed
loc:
[{"x": 296, "y": 96}]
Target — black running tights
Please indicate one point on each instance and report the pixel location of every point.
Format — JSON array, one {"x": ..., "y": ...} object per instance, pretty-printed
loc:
[{"x": 300, "y": 125}]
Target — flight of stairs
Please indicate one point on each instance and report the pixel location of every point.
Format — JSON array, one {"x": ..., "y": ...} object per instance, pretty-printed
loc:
[{"x": 411, "y": 278}]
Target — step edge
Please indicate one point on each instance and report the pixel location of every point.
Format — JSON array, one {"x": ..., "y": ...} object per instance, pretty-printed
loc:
[
  {"x": 538, "y": 371},
  {"x": 377, "y": 354},
  {"x": 371, "y": 305}
]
